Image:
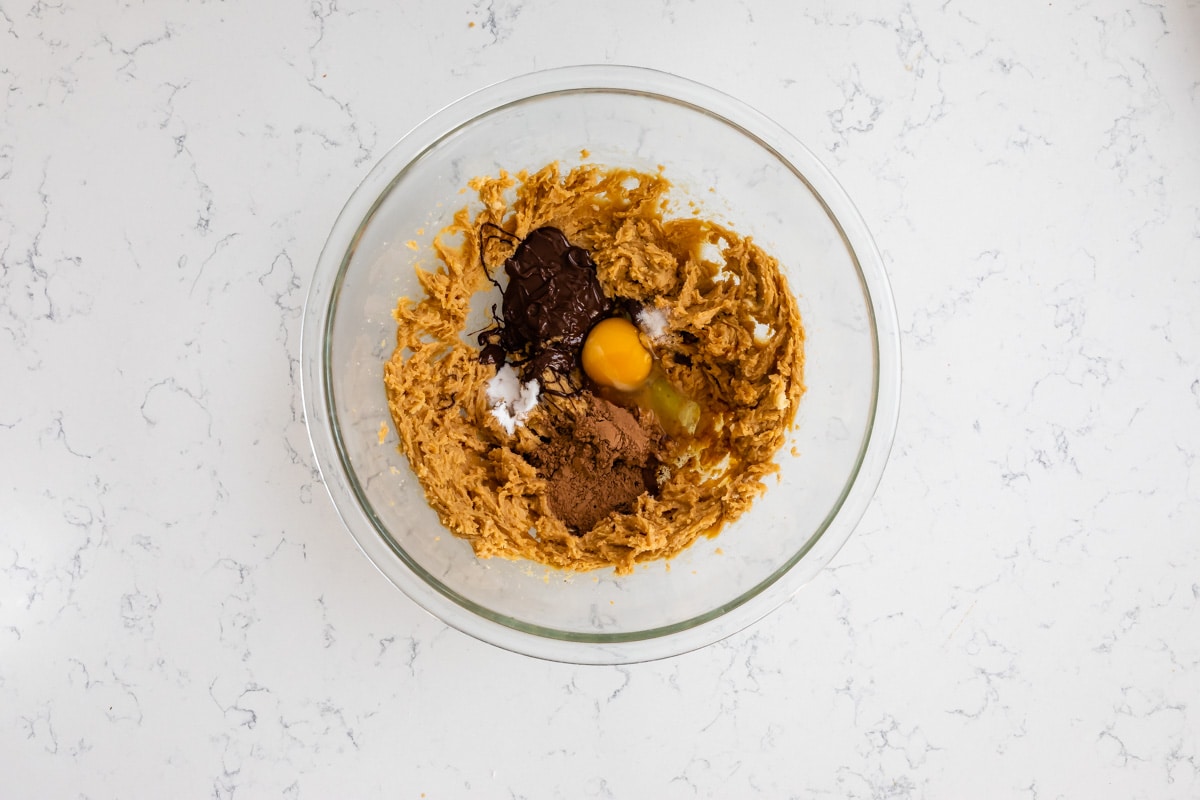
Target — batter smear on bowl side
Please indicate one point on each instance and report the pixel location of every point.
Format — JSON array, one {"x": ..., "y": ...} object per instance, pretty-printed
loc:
[{"x": 632, "y": 391}]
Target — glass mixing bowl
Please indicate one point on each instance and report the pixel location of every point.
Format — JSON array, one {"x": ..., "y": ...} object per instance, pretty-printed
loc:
[{"x": 739, "y": 168}]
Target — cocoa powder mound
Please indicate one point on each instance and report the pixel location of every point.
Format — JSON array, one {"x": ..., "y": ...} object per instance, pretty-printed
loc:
[{"x": 600, "y": 460}]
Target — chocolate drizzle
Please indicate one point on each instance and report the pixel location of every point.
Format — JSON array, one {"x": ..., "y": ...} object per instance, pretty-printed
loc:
[{"x": 553, "y": 298}]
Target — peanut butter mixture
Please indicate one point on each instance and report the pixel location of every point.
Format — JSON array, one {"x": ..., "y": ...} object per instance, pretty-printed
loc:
[{"x": 733, "y": 343}]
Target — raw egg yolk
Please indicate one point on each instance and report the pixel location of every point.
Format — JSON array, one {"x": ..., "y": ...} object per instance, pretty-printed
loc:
[{"x": 613, "y": 355}]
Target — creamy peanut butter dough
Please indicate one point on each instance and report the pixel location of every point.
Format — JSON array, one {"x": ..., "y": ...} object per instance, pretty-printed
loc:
[{"x": 733, "y": 343}]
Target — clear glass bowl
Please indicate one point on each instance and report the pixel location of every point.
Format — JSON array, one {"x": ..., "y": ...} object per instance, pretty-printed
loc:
[{"x": 738, "y": 167}]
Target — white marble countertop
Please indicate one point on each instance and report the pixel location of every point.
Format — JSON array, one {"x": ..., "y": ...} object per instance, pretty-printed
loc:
[{"x": 183, "y": 615}]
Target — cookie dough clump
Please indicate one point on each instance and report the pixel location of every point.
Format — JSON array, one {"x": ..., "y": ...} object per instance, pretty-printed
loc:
[{"x": 593, "y": 476}]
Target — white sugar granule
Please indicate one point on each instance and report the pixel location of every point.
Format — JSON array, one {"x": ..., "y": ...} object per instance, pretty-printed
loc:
[
  {"x": 510, "y": 400},
  {"x": 653, "y": 322}
]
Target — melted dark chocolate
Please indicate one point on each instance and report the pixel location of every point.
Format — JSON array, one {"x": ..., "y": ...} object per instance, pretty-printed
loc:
[{"x": 552, "y": 300}]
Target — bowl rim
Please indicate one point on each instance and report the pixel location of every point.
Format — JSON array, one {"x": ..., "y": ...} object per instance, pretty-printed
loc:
[{"x": 548, "y": 643}]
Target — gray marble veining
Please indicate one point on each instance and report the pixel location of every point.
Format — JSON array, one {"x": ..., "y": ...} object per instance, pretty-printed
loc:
[{"x": 181, "y": 613}]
